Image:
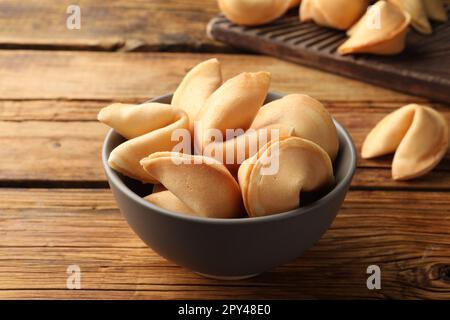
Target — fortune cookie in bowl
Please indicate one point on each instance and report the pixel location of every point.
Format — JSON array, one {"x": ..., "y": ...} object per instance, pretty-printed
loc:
[
  {"x": 236, "y": 102},
  {"x": 305, "y": 115},
  {"x": 251, "y": 12},
  {"x": 148, "y": 127},
  {"x": 198, "y": 84},
  {"x": 416, "y": 9},
  {"x": 418, "y": 135},
  {"x": 235, "y": 150},
  {"x": 294, "y": 3},
  {"x": 386, "y": 37},
  {"x": 271, "y": 180},
  {"x": 338, "y": 14},
  {"x": 167, "y": 200},
  {"x": 293, "y": 115},
  {"x": 201, "y": 184},
  {"x": 233, "y": 105}
]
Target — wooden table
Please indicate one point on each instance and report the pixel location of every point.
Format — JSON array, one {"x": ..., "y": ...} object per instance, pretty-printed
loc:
[{"x": 55, "y": 206}]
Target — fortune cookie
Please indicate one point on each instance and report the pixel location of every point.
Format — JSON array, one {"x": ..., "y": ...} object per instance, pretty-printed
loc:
[
  {"x": 307, "y": 116},
  {"x": 149, "y": 127},
  {"x": 300, "y": 165},
  {"x": 167, "y": 200},
  {"x": 418, "y": 135},
  {"x": 435, "y": 10},
  {"x": 198, "y": 84},
  {"x": 233, "y": 105},
  {"x": 338, "y": 14},
  {"x": 201, "y": 184},
  {"x": 131, "y": 121},
  {"x": 418, "y": 13},
  {"x": 294, "y": 3},
  {"x": 251, "y": 12},
  {"x": 234, "y": 151},
  {"x": 293, "y": 115},
  {"x": 382, "y": 30},
  {"x": 158, "y": 187}
]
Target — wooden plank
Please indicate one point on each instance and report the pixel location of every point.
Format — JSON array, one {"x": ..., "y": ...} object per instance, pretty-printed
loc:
[
  {"x": 139, "y": 76},
  {"x": 113, "y": 25},
  {"x": 70, "y": 149},
  {"x": 225, "y": 293},
  {"x": 316, "y": 46},
  {"x": 51, "y": 110},
  {"x": 37, "y": 150},
  {"x": 46, "y": 218},
  {"x": 86, "y": 110},
  {"x": 405, "y": 233},
  {"x": 380, "y": 178}
]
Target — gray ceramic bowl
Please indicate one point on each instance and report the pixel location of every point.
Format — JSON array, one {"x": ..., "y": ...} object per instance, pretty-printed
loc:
[{"x": 230, "y": 248}]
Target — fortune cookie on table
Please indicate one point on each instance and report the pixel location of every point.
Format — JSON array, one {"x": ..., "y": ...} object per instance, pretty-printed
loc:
[
  {"x": 435, "y": 10},
  {"x": 149, "y": 127},
  {"x": 387, "y": 37},
  {"x": 418, "y": 135},
  {"x": 416, "y": 9},
  {"x": 201, "y": 184},
  {"x": 307, "y": 116},
  {"x": 198, "y": 84},
  {"x": 339, "y": 14},
  {"x": 251, "y": 12},
  {"x": 271, "y": 180}
]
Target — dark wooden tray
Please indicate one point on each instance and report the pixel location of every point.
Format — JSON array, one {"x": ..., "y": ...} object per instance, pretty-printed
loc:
[{"x": 423, "y": 69}]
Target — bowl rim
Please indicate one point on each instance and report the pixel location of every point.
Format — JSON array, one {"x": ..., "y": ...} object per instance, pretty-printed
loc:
[{"x": 114, "y": 178}]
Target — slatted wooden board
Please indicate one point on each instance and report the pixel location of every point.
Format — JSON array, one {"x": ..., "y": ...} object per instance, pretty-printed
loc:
[{"x": 423, "y": 69}]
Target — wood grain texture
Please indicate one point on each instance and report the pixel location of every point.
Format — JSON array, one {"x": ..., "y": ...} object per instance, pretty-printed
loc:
[
  {"x": 49, "y": 138},
  {"x": 140, "y": 76},
  {"x": 51, "y": 110},
  {"x": 108, "y": 25},
  {"x": 51, "y": 150},
  {"x": 43, "y": 231}
]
